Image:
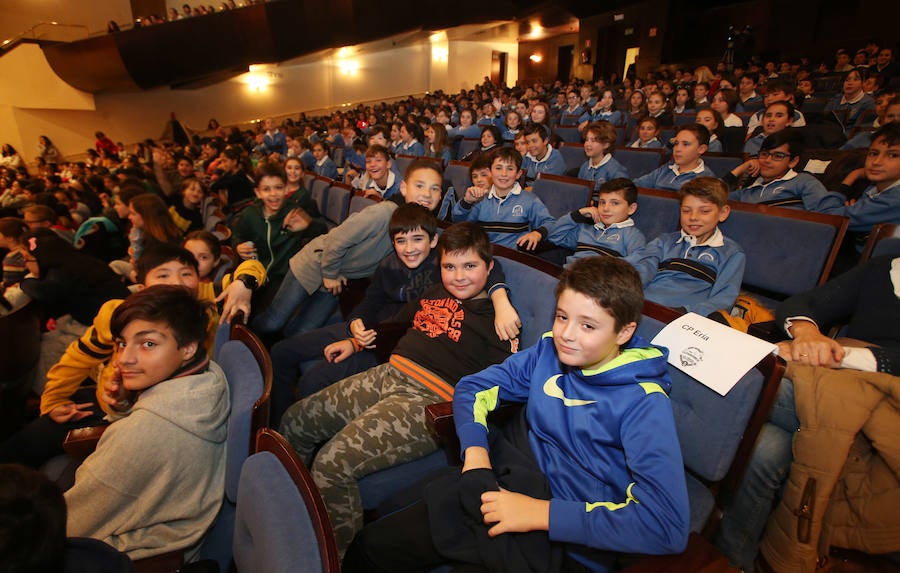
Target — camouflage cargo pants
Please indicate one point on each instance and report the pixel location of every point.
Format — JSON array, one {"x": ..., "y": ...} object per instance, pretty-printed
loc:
[{"x": 369, "y": 421}]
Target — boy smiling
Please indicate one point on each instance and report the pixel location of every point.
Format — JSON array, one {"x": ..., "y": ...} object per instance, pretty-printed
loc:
[
  {"x": 540, "y": 489},
  {"x": 696, "y": 268},
  {"x": 166, "y": 498},
  {"x": 505, "y": 211}
]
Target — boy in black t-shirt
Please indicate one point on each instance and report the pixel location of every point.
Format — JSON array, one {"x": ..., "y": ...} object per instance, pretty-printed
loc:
[{"x": 376, "y": 419}]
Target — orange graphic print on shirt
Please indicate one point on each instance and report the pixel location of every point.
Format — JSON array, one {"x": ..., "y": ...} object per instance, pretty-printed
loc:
[{"x": 440, "y": 316}]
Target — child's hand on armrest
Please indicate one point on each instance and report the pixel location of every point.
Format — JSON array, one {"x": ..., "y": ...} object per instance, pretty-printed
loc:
[
  {"x": 514, "y": 512},
  {"x": 529, "y": 240}
]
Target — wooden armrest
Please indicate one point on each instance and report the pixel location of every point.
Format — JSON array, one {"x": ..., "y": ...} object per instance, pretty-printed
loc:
[
  {"x": 439, "y": 419},
  {"x": 700, "y": 556},
  {"x": 81, "y": 442}
]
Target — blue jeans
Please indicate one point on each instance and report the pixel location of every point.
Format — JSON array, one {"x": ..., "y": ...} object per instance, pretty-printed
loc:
[
  {"x": 745, "y": 520},
  {"x": 294, "y": 309}
]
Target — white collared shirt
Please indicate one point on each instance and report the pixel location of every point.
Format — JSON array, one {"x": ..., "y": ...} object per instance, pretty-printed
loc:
[
  {"x": 699, "y": 169},
  {"x": 629, "y": 222},
  {"x": 516, "y": 189},
  {"x": 717, "y": 239},
  {"x": 602, "y": 162},
  {"x": 322, "y": 161},
  {"x": 542, "y": 159},
  {"x": 845, "y": 101}
]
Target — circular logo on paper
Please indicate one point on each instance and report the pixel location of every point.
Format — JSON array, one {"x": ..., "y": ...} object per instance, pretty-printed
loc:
[{"x": 691, "y": 356}]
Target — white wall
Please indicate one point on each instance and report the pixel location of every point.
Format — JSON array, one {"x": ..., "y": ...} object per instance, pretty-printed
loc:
[
  {"x": 330, "y": 82},
  {"x": 471, "y": 61}
]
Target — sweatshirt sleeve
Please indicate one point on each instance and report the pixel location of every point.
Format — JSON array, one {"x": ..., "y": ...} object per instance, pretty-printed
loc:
[
  {"x": 358, "y": 228},
  {"x": 81, "y": 357},
  {"x": 479, "y": 394},
  {"x": 653, "y": 514},
  {"x": 564, "y": 232}
]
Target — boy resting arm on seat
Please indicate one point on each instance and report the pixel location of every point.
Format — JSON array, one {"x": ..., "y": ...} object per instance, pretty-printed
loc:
[
  {"x": 506, "y": 211},
  {"x": 619, "y": 487},
  {"x": 156, "y": 480},
  {"x": 606, "y": 229},
  {"x": 696, "y": 268}
]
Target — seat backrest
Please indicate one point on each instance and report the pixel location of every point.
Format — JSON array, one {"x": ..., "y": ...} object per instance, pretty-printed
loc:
[
  {"x": 456, "y": 175},
  {"x": 527, "y": 275},
  {"x": 358, "y": 203},
  {"x": 318, "y": 189},
  {"x": 721, "y": 163},
  {"x": 562, "y": 194},
  {"x": 573, "y": 155},
  {"x": 402, "y": 162},
  {"x": 788, "y": 251},
  {"x": 568, "y": 133},
  {"x": 884, "y": 239},
  {"x": 308, "y": 179},
  {"x": 716, "y": 432},
  {"x": 639, "y": 161},
  {"x": 658, "y": 212},
  {"x": 338, "y": 203},
  {"x": 685, "y": 118},
  {"x": 281, "y": 524},
  {"x": 337, "y": 155},
  {"x": 467, "y": 145}
]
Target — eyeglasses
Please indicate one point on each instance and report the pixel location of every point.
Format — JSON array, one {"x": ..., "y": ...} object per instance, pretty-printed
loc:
[{"x": 776, "y": 155}]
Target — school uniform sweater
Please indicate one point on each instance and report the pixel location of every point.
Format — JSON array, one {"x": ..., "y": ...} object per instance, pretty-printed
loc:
[
  {"x": 326, "y": 168},
  {"x": 605, "y": 440},
  {"x": 508, "y": 218},
  {"x": 873, "y": 207},
  {"x": 671, "y": 177},
  {"x": 577, "y": 231},
  {"x": 613, "y": 116},
  {"x": 677, "y": 272},
  {"x": 552, "y": 162},
  {"x": 800, "y": 190},
  {"x": 607, "y": 169}
]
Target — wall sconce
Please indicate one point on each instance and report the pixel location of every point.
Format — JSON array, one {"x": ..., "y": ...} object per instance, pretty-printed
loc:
[{"x": 536, "y": 58}]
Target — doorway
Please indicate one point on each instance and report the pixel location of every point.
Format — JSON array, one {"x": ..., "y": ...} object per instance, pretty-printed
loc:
[{"x": 566, "y": 55}]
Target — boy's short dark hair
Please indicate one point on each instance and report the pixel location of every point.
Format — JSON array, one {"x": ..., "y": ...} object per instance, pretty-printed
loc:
[
  {"x": 481, "y": 161},
  {"x": 462, "y": 237},
  {"x": 495, "y": 131},
  {"x": 699, "y": 131},
  {"x": 32, "y": 521},
  {"x": 709, "y": 189},
  {"x": 323, "y": 144},
  {"x": 509, "y": 154},
  {"x": 170, "y": 304},
  {"x": 650, "y": 119},
  {"x": 752, "y": 76},
  {"x": 539, "y": 129},
  {"x": 788, "y": 137},
  {"x": 270, "y": 169},
  {"x": 380, "y": 128},
  {"x": 888, "y": 133},
  {"x": 158, "y": 253},
  {"x": 610, "y": 282},
  {"x": 411, "y": 216},
  {"x": 604, "y": 131},
  {"x": 704, "y": 84},
  {"x": 424, "y": 163},
  {"x": 781, "y": 85},
  {"x": 376, "y": 149},
  {"x": 621, "y": 185}
]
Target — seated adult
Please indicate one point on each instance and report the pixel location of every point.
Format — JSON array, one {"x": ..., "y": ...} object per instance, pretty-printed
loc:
[{"x": 866, "y": 299}]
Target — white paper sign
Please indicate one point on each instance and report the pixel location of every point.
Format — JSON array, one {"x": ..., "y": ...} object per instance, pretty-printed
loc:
[{"x": 714, "y": 354}]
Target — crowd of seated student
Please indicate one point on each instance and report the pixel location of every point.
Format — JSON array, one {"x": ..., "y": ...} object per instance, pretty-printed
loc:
[{"x": 251, "y": 181}]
